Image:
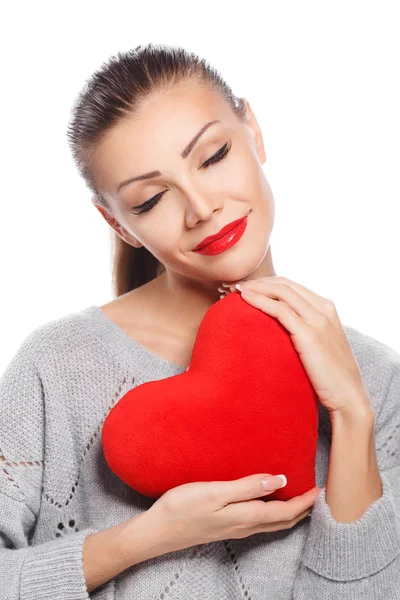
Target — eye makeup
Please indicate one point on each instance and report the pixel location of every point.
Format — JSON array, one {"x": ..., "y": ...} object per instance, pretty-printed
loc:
[{"x": 217, "y": 157}]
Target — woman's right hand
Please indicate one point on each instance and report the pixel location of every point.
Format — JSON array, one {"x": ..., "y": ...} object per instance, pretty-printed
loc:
[{"x": 203, "y": 512}]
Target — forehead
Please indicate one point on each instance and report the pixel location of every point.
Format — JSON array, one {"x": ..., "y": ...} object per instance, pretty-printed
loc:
[
  {"x": 175, "y": 113},
  {"x": 161, "y": 127},
  {"x": 189, "y": 96}
]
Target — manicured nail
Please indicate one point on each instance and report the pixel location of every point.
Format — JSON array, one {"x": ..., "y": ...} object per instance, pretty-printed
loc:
[{"x": 274, "y": 483}]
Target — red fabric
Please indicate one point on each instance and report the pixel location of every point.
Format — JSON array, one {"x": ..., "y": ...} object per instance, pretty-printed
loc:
[{"x": 244, "y": 406}]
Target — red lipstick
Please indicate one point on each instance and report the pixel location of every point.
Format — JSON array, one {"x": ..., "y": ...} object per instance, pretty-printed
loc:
[
  {"x": 216, "y": 236},
  {"x": 224, "y": 239}
]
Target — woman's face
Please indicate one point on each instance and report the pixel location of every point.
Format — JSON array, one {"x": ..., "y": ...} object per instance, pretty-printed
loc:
[{"x": 193, "y": 200}]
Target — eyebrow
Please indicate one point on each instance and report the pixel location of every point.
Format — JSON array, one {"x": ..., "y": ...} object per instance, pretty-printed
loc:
[{"x": 184, "y": 154}]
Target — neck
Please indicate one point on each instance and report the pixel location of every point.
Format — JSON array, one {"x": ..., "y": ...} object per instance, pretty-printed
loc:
[{"x": 183, "y": 302}]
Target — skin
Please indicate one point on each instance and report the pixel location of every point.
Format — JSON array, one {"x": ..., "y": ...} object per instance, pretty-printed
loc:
[{"x": 198, "y": 202}]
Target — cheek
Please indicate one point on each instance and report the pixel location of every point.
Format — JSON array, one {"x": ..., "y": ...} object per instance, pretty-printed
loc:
[
  {"x": 247, "y": 176},
  {"x": 165, "y": 241}
]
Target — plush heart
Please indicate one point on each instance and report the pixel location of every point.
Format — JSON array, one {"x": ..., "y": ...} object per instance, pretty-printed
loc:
[{"x": 245, "y": 405}]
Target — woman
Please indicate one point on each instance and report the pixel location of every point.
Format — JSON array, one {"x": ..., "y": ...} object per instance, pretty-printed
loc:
[{"x": 69, "y": 526}]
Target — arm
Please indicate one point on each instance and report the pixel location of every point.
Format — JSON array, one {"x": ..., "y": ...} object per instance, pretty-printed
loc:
[
  {"x": 51, "y": 569},
  {"x": 353, "y": 548},
  {"x": 352, "y": 485},
  {"x": 68, "y": 567},
  {"x": 77, "y": 564},
  {"x": 109, "y": 552}
]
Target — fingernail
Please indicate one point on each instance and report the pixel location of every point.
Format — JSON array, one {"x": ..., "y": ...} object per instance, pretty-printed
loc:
[{"x": 274, "y": 483}]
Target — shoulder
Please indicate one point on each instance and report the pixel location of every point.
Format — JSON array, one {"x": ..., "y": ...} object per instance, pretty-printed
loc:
[
  {"x": 23, "y": 383},
  {"x": 68, "y": 333},
  {"x": 367, "y": 347}
]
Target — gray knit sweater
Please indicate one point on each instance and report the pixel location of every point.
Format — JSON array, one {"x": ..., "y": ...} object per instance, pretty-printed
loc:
[{"x": 56, "y": 487}]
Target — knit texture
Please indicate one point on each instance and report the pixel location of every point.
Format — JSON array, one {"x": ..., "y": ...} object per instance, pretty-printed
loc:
[{"x": 56, "y": 487}]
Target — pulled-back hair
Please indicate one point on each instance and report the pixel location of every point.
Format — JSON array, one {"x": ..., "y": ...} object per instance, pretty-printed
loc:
[{"x": 113, "y": 92}]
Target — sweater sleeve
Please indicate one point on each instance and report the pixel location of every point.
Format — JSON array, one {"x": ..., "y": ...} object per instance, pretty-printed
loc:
[
  {"x": 53, "y": 569},
  {"x": 361, "y": 559}
]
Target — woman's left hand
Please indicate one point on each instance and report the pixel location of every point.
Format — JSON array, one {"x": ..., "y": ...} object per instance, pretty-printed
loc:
[{"x": 318, "y": 337}]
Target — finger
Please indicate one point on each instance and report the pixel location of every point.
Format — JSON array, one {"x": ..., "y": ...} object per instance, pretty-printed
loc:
[
  {"x": 278, "y": 525},
  {"x": 254, "y": 513},
  {"x": 286, "y": 510},
  {"x": 312, "y": 297},
  {"x": 281, "y": 311},
  {"x": 286, "y": 293},
  {"x": 258, "y": 512},
  {"x": 245, "y": 488}
]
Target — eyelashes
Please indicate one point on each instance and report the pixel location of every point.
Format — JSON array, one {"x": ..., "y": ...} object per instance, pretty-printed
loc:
[{"x": 218, "y": 156}]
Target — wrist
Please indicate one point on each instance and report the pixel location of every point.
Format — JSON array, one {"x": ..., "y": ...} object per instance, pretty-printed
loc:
[
  {"x": 140, "y": 539},
  {"x": 353, "y": 417}
]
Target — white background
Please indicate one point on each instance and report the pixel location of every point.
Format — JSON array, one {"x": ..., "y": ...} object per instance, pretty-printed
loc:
[{"x": 323, "y": 80}]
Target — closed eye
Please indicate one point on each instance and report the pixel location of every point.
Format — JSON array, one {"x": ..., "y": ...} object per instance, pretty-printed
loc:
[{"x": 220, "y": 155}]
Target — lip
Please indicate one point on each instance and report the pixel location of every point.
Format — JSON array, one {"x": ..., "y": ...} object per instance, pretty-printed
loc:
[
  {"x": 212, "y": 238},
  {"x": 226, "y": 241}
]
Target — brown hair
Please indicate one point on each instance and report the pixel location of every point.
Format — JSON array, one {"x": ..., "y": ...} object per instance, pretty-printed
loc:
[{"x": 112, "y": 93}]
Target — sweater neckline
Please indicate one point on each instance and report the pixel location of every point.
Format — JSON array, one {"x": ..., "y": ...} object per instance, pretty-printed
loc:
[{"x": 122, "y": 344}]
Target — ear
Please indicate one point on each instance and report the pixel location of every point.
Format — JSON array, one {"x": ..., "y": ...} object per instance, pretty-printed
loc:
[
  {"x": 254, "y": 127},
  {"x": 121, "y": 231}
]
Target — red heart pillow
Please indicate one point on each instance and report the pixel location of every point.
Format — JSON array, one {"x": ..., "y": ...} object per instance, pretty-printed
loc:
[{"x": 244, "y": 406}]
